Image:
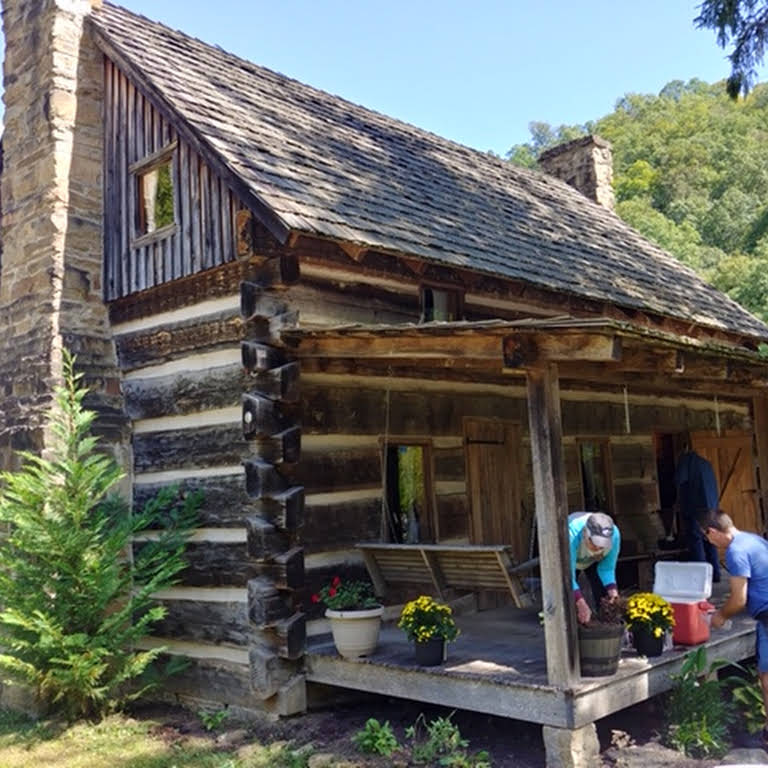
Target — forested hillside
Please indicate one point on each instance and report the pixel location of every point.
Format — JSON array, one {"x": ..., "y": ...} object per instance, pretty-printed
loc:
[{"x": 691, "y": 173}]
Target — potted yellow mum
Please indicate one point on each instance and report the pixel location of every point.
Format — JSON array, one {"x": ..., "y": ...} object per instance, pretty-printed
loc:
[
  {"x": 430, "y": 625},
  {"x": 649, "y": 616}
]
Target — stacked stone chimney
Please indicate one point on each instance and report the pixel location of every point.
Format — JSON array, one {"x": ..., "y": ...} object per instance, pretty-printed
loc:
[
  {"x": 586, "y": 164},
  {"x": 51, "y": 192}
]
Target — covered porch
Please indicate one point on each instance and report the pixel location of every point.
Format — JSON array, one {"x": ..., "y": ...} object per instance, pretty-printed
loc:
[
  {"x": 497, "y": 666},
  {"x": 505, "y": 662}
]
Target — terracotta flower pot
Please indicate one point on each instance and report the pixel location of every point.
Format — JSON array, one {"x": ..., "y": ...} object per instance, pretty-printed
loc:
[{"x": 355, "y": 633}]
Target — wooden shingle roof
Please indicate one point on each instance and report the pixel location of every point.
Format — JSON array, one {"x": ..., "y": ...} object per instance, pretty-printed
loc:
[{"x": 324, "y": 166}]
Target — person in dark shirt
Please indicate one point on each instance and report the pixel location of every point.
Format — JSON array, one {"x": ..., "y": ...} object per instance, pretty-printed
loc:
[{"x": 697, "y": 493}]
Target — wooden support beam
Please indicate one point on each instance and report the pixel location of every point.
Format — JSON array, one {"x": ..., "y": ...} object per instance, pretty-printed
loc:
[
  {"x": 377, "y": 577},
  {"x": 760, "y": 427},
  {"x": 286, "y": 569},
  {"x": 292, "y": 636},
  {"x": 255, "y": 302},
  {"x": 263, "y": 538},
  {"x": 355, "y": 251},
  {"x": 266, "y": 604},
  {"x": 262, "y": 479},
  {"x": 551, "y": 494},
  {"x": 261, "y": 416},
  {"x": 258, "y": 357},
  {"x": 284, "y": 509},
  {"x": 417, "y": 266},
  {"x": 268, "y": 671},
  {"x": 526, "y": 349},
  {"x": 433, "y": 566}
]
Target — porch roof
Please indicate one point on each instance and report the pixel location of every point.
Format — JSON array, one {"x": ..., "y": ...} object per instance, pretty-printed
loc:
[{"x": 587, "y": 350}]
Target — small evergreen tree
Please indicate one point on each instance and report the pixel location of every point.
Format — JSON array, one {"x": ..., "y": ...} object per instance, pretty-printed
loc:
[{"x": 76, "y": 599}]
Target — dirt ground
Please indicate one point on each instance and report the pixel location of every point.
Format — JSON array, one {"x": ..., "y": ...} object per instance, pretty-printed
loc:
[{"x": 629, "y": 739}]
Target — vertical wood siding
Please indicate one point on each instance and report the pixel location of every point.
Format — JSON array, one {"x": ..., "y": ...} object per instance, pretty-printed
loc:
[{"x": 204, "y": 206}]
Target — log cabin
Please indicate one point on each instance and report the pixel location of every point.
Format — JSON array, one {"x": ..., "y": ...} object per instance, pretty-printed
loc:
[{"x": 348, "y": 331}]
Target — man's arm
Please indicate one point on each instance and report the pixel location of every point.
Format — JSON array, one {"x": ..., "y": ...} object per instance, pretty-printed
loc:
[{"x": 735, "y": 603}]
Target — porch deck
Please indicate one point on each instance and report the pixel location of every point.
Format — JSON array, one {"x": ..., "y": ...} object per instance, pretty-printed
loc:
[{"x": 497, "y": 666}]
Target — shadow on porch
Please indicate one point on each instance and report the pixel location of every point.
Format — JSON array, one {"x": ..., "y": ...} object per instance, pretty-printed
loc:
[{"x": 497, "y": 666}]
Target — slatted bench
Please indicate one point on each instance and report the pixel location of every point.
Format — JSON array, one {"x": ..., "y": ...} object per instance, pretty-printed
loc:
[{"x": 471, "y": 566}]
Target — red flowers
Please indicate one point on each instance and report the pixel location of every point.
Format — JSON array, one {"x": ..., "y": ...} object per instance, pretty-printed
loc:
[{"x": 346, "y": 595}]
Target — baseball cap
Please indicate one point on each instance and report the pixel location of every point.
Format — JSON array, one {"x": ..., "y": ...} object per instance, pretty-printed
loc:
[{"x": 600, "y": 530}]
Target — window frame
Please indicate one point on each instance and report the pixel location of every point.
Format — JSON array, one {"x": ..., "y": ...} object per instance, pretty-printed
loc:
[
  {"x": 166, "y": 155},
  {"x": 430, "y": 501},
  {"x": 454, "y": 290},
  {"x": 605, "y": 444}
]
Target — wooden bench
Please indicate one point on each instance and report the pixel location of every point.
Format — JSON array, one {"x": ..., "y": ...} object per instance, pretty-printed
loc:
[{"x": 471, "y": 566}]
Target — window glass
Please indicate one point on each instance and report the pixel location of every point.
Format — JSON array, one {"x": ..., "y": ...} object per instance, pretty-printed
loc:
[
  {"x": 155, "y": 199},
  {"x": 406, "y": 493},
  {"x": 594, "y": 479},
  {"x": 439, "y": 305}
]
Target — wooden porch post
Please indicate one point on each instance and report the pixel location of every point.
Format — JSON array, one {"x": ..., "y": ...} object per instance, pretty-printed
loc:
[
  {"x": 760, "y": 428},
  {"x": 551, "y": 495}
]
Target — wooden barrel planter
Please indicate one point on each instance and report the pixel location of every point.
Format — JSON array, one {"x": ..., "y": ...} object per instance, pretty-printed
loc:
[{"x": 600, "y": 649}]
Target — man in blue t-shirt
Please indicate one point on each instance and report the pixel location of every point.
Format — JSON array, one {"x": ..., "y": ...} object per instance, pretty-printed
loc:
[
  {"x": 594, "y": 546},
  {"x": 746, "y": 558}
]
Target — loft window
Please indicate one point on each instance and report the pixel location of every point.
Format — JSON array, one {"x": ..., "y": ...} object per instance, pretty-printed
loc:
[
  {"x": 155, "y": 199},
  {"x": 595, "y": 475},
  {"x": 440, "y": 304},
  {"x": 409, "y": 494},
  {"x": 155, "y": 205}
]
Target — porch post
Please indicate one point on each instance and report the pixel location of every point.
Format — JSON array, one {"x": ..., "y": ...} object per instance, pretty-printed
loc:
[
  {"x": 760, "y": 428},
  {"x": 551, "y": 495}
]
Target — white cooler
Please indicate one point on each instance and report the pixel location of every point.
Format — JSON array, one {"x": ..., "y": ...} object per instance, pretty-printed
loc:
[{"x": 686, "y": 586}]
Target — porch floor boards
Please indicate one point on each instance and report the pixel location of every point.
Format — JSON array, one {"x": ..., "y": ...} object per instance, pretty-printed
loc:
[{"x": 497, "y": 666}]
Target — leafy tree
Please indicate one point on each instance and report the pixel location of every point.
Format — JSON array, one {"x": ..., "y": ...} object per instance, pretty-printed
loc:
[
  {"x": 76, "y": 599},
  {"x": 744, "y": 23},
  {"x": 691, "y": 174}
]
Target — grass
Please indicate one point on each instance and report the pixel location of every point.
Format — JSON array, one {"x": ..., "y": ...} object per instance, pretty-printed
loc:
[{"x": 121, "y": 742}]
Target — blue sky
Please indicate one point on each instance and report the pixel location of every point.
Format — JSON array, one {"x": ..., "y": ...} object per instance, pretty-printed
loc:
[{"x": 476, "y": 72}]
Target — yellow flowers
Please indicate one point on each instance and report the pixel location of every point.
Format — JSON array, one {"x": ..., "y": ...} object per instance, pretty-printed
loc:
[
  {"x": 650, "y": 611},
  {"x": 425, "y": 618}
]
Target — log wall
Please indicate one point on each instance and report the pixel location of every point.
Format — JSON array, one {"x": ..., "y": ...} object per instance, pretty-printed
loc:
[
  {"x": 345, "y": 424},
  {"x": 212, "y": 398}
]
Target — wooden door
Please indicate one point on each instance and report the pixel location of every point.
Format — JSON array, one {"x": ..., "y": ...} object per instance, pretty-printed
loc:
[
  {"x": 731, "y": 458},
  {"x": 493, "y": 451}
]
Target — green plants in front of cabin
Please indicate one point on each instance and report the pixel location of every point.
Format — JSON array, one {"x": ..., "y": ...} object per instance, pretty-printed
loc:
[
  {"x": 439, "y": 742},
  {"x": 75, "y": 603},
  {"x": 747, "y": 695},
  {"x": 698, "y": 714},
  {"x": 211, "y": 720},
  {"x": 376, "y": 738}
]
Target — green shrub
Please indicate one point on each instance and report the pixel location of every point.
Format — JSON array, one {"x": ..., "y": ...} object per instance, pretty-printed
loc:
[
  {"x": 376, "y": 738},
  {"x": 698, "y": 716},
  {"x": 440, "y": 742},
  {"x": 748, "y": 697},
  {"x": 212, "y": 720},
  {"x": 76, "y": 598}
]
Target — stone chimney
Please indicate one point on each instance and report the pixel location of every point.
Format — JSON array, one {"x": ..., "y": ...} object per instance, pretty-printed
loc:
[
  {"x": 51, "y": 230},
  {"x": 586, "y": 164}
]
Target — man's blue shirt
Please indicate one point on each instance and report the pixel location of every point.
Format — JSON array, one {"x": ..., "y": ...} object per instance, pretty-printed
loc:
[{"x": 747, "y": 556}]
